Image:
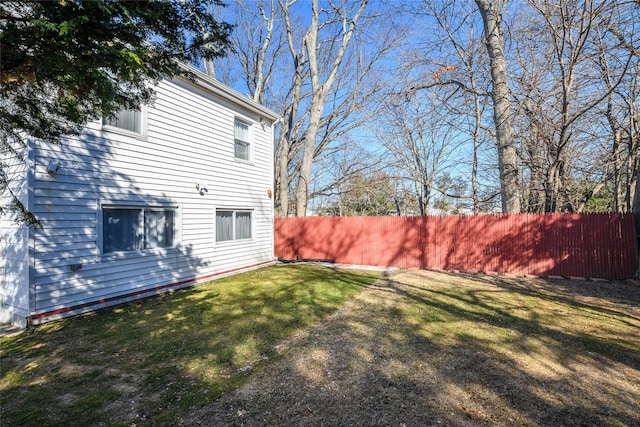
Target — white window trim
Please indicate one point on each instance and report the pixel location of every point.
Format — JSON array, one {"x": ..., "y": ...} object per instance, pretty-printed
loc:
[
  {"x": 143, "y": 126},
  {"x": 177, "y": 236},
  {"x": 251, "y": 138},
  {"x": 250, "y": 211}
]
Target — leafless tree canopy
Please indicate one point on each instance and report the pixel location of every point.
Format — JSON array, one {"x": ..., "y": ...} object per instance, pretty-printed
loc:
[{"x": 446, "y": 105}]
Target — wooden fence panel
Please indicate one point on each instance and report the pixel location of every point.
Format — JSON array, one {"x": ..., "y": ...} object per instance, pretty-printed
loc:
[{"x": 580, "y": 245}]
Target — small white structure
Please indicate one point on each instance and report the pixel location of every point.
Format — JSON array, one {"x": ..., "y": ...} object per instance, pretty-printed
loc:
[{"x": 157, "y": 199}]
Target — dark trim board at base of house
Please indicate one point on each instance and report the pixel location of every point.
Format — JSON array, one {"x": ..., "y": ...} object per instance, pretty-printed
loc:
[{"x": 38, "y": 318}]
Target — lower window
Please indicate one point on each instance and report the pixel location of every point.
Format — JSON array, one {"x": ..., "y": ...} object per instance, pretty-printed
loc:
[
  {"x": 233, "y": 225},
  {"x": 133, "y": 228}
]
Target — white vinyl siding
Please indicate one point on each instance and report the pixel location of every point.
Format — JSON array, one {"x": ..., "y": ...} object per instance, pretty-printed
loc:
[
  {"x": 233, "y": 225},
  {"x": 188, "y": 135},
  {"x": 14, "y": 240},
  {"x": 242, "y": 136}
]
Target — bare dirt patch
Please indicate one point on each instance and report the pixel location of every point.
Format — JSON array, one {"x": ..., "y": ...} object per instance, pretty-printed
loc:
[{"x": 426, "y": 348}]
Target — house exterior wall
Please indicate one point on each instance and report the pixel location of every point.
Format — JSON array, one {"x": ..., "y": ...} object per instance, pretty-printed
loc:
[
  {"x": 189, "y": 139},
  {"x": 14, "y": 245}
]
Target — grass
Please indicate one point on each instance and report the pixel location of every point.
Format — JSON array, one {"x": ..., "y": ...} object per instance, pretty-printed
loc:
[
  {"x": 304, "y": 346},
  {"x": 427, "y": 348},
  {"x": 516, "y": 351},
  {"x": 154, "y": 361}
]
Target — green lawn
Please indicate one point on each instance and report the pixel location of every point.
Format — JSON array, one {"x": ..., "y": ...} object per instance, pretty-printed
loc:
[
  {"x": 424, "y": 348},
  {"x": 154, "y": 361}
]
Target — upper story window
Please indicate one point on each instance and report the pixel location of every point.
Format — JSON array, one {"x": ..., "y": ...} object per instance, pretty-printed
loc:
[
  {"x": 242, "y": 136},
  {"x": 129, "y": 121}
]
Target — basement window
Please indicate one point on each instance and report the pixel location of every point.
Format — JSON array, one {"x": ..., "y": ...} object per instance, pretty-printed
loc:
[
  {"x": 131, "y": 228},
  {"x": 233, "y": 225}
]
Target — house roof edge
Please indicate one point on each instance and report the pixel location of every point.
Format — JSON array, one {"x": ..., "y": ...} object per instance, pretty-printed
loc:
[{"x": 227, "y": 93}]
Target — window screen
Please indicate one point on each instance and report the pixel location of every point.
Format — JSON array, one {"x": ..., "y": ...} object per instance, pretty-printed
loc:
[
  {"x": 224, "y": 226},
  {"x": 129, "y": 120},
  {"x": 242, "y": 140},
  {"x": 131, "y": 229},
  {"x": 233, "y": 225},
  {"x": 243, "y": 225},
  {"x": 122, "y": 230}
]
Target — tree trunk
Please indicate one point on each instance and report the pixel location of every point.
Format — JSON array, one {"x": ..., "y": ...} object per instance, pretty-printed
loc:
[
  {"x": 551, "y": 189},
  {"x": 636, "y": 192},
  {"x": 476, "y": 148},
  {"x": 282, "y": 209},
  {"x": 507, "y": 153},
  {"x": 319, "y": 93},
  {"x": 302, "y": 191},
  {"x": 634, "y": 162}
]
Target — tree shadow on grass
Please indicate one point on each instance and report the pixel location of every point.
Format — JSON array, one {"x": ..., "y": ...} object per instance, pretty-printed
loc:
[
  {"x": 480, "y": 306},
  {"x": 408, "y": 352},
  {"x": 150, "y": 362},
  {"x": 615, "y": 298}
]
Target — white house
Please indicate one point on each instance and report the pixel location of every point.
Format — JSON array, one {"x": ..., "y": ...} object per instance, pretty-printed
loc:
[{"x": 158, "y": 199}]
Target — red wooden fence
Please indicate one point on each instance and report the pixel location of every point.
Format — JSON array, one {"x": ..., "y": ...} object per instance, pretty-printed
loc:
[{"x": 575, "y": 245}]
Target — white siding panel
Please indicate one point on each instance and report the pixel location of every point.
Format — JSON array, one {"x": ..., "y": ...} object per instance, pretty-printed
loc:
[
  {"x": 105, "y": 269},
  {"x": 14, "y": 247},
  {"x": 46, "y": 235},
  {"x": 48, "y": 240},
  {"x": 189, "y": 140},
  {"x": 64, "y": 206}
]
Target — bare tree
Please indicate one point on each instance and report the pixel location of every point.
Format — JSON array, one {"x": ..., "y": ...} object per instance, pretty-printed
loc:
[
  {"x": 571, "y": 94},
  {"x": 321, "y": 75},
  {"x": 420, "y": 146},
  {"x": 341, "y": 97},
  {"x": 559, "y": 90},
  {"x": 291, "y": 131},
  {"x": 321, "y": 82},
  {"x": 463, "y": 77},
  {"x": 621, "y": 113},
  {"x": 454, "y": 66},
  {"x": 491, "y": 12},
  {"x": 620, "y": 21},
  {"x": 258, "y": 43},
  {"x": 359, "y": 185}
]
